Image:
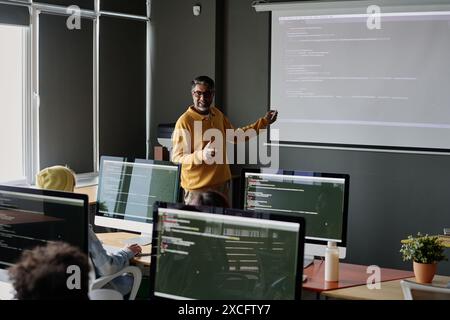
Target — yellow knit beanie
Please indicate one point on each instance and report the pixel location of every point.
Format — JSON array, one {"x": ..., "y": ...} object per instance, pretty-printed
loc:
[{"x": 56, "y": 178}]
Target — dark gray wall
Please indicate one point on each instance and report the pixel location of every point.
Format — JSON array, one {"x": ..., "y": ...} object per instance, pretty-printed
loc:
[
  {"x": 137, "y": 7},
  {"x": 391, "y": 194},
  {"x": 183, "y": 47},
  {"x": 122, "y": 95},
  {"x": 14, "y": 15},
  {"x": 66, "y": 90},
  {"x": 66, "y": 93}
]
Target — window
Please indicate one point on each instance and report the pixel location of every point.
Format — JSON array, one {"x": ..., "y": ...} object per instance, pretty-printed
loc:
[
  {"x": 66, "y": 94},
  {"x": 51, "y": 86},
  {"x": 13, "y": 102}
]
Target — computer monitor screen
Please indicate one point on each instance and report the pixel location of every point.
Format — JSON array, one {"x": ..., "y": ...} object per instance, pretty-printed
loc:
[
  {"x": 228, "y": 255},
  {"x": 31, "y": 217},
  {"x": 128, "y": 189},
  {"x": 321, "y": 198}
]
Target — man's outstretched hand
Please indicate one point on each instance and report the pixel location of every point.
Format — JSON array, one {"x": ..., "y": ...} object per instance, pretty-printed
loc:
[{"x": 271, "y": 116}]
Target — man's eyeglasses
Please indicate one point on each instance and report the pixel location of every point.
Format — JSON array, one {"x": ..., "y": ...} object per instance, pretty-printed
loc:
[{"x": 205, "y": 94}]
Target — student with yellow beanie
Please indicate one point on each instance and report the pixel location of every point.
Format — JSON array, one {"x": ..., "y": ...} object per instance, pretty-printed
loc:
[
  {"x": 56, "y": 178},
  {"x": 62, "y": 178}
]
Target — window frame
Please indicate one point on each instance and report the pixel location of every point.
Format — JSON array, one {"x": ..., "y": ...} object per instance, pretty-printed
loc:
[
  {"x": 31, "y": 97},
  {"x": 26, "y": 102}
]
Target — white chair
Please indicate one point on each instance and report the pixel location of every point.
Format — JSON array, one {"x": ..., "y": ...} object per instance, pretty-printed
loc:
[
  {"x": 416, "y": 291},
  {"x": 105, "y": 294},
  {"x": 6, "y": 291},
  {"x": 99, "y": 283}
]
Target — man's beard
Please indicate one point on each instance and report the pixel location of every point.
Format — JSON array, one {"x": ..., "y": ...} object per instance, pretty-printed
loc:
[{"x": 203, "y": 107}]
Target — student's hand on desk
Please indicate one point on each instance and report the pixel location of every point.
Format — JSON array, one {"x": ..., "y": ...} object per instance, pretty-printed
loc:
[
  {"x": 271, "y": 116},
  {"x": 135, "y": 248}
]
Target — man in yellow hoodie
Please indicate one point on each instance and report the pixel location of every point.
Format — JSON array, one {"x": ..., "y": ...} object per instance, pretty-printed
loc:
[{"x": 203, "y": 159}]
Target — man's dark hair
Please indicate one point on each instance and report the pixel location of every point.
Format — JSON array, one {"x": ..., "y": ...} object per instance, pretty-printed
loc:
[
  {"x": 41, "y": 273},
  {"x": 205, "y": 80},
  {"x": 210, "y": 198}
]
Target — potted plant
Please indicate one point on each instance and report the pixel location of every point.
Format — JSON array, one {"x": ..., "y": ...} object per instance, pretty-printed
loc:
[{"x": 425, "y": 252}]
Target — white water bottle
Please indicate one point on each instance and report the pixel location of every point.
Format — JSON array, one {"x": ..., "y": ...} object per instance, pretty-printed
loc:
[{"x": 332, "y": 262}]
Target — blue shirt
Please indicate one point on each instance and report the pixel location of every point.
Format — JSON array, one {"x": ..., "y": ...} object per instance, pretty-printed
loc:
[{"x": 109, "y": 263}]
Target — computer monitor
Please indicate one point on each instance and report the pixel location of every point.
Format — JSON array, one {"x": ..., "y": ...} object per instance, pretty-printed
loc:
[
  {"x": 321, "y": 198},
  {"x": 33, "y": 217},
  {"x": 127, "y": 190},
  {"x": 225, "y": 254}
]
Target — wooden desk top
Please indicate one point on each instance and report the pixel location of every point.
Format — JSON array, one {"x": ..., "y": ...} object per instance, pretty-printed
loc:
[
  {"x": 115, "y": 239},
  {"x": 350, "y": 275},
  {"x": 390, "y": 290},
  {"x": 91, "y": 191},
  {"x": 445, "y": 240}
]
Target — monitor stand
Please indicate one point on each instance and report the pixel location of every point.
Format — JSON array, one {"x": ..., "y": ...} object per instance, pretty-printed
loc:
[
  {"x": 307, "y": 260},
  {"x": 143, "y": 240}
]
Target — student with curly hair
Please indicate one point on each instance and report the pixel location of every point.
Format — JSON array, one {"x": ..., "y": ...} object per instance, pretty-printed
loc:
[{"x": 44, "y": 274}]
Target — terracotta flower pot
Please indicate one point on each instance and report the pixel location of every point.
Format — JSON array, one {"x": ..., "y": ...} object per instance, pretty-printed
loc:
[{"x": 424, "y": 272}]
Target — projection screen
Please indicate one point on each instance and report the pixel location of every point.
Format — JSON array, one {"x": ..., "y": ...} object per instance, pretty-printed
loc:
[{"x": 341, "y": 76}]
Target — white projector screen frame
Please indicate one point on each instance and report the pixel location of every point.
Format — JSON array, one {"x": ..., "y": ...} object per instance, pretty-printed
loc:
[{"x": 337, "y": 83}]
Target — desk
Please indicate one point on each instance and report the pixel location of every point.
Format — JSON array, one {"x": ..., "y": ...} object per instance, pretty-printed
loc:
[
  {"x": 390, "y": 290},
  {"x": 115, "y": 239},
  {"x": 445, "y": 241},
  {"x": 350, "y": 275},
  {"x": 91, "y": 191}
]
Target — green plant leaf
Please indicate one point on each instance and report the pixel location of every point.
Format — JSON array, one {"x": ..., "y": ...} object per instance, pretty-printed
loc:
[{"x": 423, "y": 249}]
